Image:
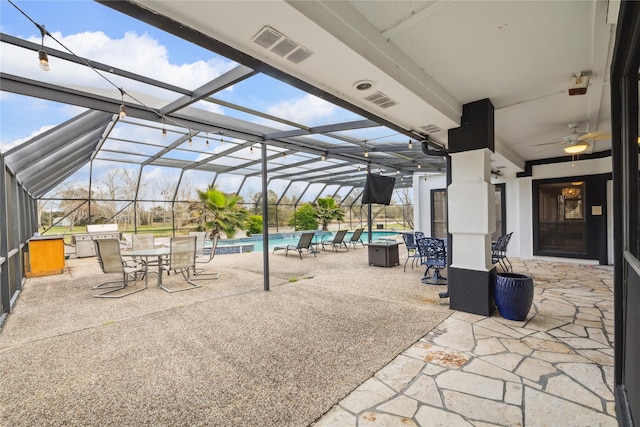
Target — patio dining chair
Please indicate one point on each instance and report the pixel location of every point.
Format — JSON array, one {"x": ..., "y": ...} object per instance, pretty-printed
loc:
[
  {"x": 433, "y": 254},
  {"x": 305, "y": 242},
  {"x": 412, "y": 249},
  {"x": 206, "y": 259},
  {"x": 143, "y": 241},
  {"x": 182, "y": 259},
  {"x": 499, "y": 252},
  {"x": 356, "y": 237},
  {"x": 111, "y": 262},
  {"x": 201, "y": 237},
  {"x": 337, "y": 241}
]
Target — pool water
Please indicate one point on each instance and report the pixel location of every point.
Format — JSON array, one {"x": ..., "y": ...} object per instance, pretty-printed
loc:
[{"x": 284, "y": 239}]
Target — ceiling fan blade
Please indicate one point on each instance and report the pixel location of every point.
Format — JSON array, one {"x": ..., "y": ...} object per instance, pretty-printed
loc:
[
  {"x": 597, "y": 136},
  {"x": 549, "y": 143}
]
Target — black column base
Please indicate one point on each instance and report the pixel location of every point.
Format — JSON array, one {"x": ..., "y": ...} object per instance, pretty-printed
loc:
[{"x": 471, "y": 291}]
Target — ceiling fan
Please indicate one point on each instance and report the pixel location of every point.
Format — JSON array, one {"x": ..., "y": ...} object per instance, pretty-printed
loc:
[{"x": 577, "y": 142}]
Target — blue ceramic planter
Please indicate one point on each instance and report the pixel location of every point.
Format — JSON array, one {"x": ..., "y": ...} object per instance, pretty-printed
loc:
[{"x": 513, "y": 294}]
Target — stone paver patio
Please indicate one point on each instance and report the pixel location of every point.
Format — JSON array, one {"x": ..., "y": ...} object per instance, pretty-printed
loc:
[{"x": 553, "y": 369}]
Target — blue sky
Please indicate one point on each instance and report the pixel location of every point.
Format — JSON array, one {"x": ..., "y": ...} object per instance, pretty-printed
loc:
[
  {"x": 94, "y": 31},
  {"x": 97, "y": 32}
]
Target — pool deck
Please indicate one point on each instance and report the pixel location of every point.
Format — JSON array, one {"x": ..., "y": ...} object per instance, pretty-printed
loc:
[{"x": 334, "y": 343}]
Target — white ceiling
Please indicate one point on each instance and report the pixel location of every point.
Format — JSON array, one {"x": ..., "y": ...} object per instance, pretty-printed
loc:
[{"x": 431, "y": 57}]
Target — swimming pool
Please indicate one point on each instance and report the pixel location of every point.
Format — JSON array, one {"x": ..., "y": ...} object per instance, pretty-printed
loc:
[{"x": 255, "y": 244}]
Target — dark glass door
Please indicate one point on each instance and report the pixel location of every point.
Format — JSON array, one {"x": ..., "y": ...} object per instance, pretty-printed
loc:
[{"x": 561, "y": 213}]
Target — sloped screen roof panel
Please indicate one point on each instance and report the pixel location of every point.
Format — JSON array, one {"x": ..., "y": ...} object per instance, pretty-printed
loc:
[{"x": 43, "y": 162}]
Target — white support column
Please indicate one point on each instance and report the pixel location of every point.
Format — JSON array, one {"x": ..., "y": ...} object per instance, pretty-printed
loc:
[{"x": 471, "y": 208}]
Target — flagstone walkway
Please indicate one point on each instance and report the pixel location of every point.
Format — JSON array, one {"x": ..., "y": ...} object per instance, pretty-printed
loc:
[{"x": 553, "y": 369}]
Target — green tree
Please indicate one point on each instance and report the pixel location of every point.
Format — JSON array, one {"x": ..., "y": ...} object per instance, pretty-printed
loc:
[
  {"x": 219, "y": 212},
  {"x": 304, "y": 218},
  {"x": 327, "y": 210}
]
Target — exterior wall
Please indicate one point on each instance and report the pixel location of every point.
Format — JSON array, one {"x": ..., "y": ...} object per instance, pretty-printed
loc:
[
  {"x": 519, "y": 200},
  {"x": 422, "y": 186}
]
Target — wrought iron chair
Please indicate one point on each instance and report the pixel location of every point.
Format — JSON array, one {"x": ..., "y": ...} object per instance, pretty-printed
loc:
[
  {"x": 337, "y": 241},
  {"x": 412, "y": 249},
  {"x": 499, "y": 252},
  {"x": 182, "y": 258},
  {"x": 419, "y": 235},
  {"x": 303, "y": 243},
  {"x": 111, "y": 262},
  {"x": 356, "y": 237},
  {"x": 433, "y": 254}
]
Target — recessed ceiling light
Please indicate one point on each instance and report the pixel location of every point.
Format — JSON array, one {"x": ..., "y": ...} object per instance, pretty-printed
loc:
[{"x": 363, "y": 85}]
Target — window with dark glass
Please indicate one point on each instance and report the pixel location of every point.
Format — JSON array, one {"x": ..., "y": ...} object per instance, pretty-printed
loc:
[
  {"x": 562, "y": 226},
  {"x": 439, "y": 213}
]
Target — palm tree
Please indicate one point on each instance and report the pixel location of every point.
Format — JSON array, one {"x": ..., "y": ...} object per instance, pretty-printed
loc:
[
  {"x": 219, "y": 212},
  {"x": 327, "y": 210}
]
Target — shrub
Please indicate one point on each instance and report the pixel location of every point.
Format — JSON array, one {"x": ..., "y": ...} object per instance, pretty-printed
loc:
[
  {"x": 304, "y": 218},
  {"x": 254, "y": 225}
]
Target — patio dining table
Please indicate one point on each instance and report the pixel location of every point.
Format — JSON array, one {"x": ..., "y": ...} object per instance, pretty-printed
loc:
[{"x": 159, "y": 252}]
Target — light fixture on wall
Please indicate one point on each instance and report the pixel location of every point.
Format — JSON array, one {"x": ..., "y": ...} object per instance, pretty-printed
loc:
[
  {"x": 42, "y": 55},
  {"x": 579, "y": 83},
  {"x": 576, "y": 147}
]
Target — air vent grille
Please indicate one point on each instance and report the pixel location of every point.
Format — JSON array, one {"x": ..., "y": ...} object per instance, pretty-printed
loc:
[
  {"x": 281, "y": 45},
  {"x": 267, "y": 37},
  {"x": 299, "y": 55},
  {"x": 431, "y": 129},
  {"x": 381, "y": 100}
]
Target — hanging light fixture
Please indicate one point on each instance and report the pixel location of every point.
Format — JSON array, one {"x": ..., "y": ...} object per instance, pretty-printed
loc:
[
  {"x": 410, "y": 145},
  {"x": 576, "y": 147},
  {"x": 207, "y": 140},
  {"x": 42, "y": 55},
  {"x": 398, "y": 172},
  {"x": 123, "y": 109},
  {"x": 366, "y": 153},
  {"x": 190, "y": 141},
  {"x": 251, "y": 150},
  {"x": 164, "y": 129},
  {"x": 419, "y": 165},
  {"x": 323, "y": 157}
]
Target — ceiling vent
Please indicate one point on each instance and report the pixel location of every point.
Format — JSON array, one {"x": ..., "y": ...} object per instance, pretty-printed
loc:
[
  {"x": 381, "y": 100},
  {"x": 281, "y": 45},
  {"x": 430, "y": 129}
]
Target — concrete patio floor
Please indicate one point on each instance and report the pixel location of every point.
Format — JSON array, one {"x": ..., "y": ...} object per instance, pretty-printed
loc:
[{"x": 335, "y": 343}]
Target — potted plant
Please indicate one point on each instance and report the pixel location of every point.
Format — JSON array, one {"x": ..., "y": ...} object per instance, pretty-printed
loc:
[{"x": 513, "y": 293}]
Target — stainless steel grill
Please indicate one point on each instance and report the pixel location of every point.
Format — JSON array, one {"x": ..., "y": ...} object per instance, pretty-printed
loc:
[{"x": 84, "y": 242}]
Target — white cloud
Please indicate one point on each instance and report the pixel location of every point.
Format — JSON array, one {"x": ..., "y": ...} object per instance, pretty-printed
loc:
[
  {"x": 4, "y": 147},
  {"x": 306, "y": 110}
]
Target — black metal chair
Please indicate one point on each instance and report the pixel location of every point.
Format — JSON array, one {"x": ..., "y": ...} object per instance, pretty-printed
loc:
[
  {"x": 433, "y": 254},
  {"x": 499, "y": 252},
  {"x": 337, "y": 241},
  {"x": 412, "y": 249},
  {"x": 305, "y": 242},
  {"x": 356, "y": 237}
]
